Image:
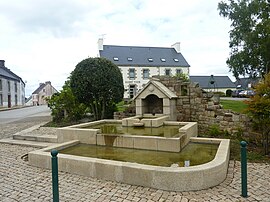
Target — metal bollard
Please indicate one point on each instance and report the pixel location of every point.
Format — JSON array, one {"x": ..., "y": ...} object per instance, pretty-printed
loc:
[
  {"x": 244, "y": 168},
  {"x": 55, "y": 188}
]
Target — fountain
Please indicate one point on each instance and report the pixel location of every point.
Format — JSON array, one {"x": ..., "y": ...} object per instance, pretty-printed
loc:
[{"x": 145, "y": 135}]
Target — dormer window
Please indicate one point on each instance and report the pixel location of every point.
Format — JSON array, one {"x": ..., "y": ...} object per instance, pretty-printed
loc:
[
  {"x": 176, "y": 60},
  {"x": 129, "y": 59},
  {"x": 163, "y": 59},
  {"x": 115, "y": 58},
  {"x": 150, "y": 59}
]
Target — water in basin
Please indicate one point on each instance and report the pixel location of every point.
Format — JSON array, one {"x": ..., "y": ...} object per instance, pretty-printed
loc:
[
  {"x": 163, "y": 131},
  {"x": 196, "y": 153}
]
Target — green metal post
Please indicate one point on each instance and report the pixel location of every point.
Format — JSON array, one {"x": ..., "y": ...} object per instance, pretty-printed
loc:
[
  {"x": 55, "y": 176},
  {"x": 244, "y": 168}
]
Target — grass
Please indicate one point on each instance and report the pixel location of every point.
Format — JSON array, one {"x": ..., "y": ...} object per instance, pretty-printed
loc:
[{"x": 234, "y": 105}]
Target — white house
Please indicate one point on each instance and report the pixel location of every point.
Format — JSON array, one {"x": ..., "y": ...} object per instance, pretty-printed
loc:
[
  {"x": 138, "y": 64},
  {"x": 12, "y": 88}
]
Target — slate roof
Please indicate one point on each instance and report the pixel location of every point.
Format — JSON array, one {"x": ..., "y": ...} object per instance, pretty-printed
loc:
[
  {"x": 245, "y": 81},
  {"x": 140, "y": 55},
  {"x": 220, "y": 81},
  {"x": 6, "y": 73},
  {"x": 41, "y": 86}
]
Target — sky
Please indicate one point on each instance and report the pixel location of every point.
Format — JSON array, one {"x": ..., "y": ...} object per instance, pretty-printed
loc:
[{"x": 43, "y": 40}]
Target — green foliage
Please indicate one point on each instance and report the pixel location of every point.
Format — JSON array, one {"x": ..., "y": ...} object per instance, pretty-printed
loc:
[
  {"x": 259, "y": 109},
  {"x": 98, "y": 83},
  {"x": 182, "y": 76},
  {"x": 64, "y": 105},
  {"x": 121, "y": 107},
  {"x": 228, "y": 93},
  {"x": 249, "y": 37},
  {"x": 214, "y": 131}
]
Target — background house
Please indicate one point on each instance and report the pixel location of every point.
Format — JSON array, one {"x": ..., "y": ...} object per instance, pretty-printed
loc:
[
  {"x": 45, "y": 90},
  {"x": 12, "y": 88},
  {"x": 221, "y": 83},
  {"x": 246, "y": 83},
  {"x": 138, "y": 64}
]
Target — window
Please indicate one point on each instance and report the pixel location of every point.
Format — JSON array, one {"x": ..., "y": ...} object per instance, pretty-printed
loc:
[
  {"x": 145, "y": 73},
  {"x": 129, "y": 59},
  {"x": 8, "y": 86},
  {"x": 16, "y": 89},
  {"x": 0, "y": 84},
  {"x": 150, "y": 59},
  {"x": 131, "y": 73},
  {"x": 176, "y": 60},
  {"x": 132, "y": 91},
  {"x": 168, "y": 72},
  {"x": 163, "y": 59},
  {"x": 179, "y": 71},
  {"x": 1, "y": 100},
  {"x": 115, "y": 58}
]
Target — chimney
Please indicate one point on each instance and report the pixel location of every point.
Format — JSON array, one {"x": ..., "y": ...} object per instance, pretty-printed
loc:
[
  {"x": 176, "y": 46},
  {"x": 2, "y": 63},
  {"x": 48, "y": 83},
  {"x": 100, "y": 44}
]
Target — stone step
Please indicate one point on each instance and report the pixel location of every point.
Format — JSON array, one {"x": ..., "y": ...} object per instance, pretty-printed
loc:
[
  {"x": 27, "y": 143},
  {"x": 41, "y": 138}
]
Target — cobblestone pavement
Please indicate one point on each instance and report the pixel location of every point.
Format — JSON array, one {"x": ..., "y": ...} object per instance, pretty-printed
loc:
[
  {"x": 22, "y": 182},
  {"x": 7, "y": 130}
]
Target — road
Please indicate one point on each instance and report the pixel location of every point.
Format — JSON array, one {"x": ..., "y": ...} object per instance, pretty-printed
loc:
[
  {"x": 12, "y": 121},
  {"x": 234, "y": 98},
  {"x": 10, "y": 116}
]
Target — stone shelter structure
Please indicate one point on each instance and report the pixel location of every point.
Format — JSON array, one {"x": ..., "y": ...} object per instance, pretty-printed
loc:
[
  {"x": 12, "y": 88},
  {"x": 186, "y": 101}
]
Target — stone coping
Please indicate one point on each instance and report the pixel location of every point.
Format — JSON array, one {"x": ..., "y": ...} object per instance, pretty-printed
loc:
[
  {"x": 94, "y": 136},
  {"x": 166, "y": 178}
]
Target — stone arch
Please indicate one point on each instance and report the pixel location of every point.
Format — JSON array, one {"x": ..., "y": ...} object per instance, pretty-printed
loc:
[{"x": 152, "y": 104}]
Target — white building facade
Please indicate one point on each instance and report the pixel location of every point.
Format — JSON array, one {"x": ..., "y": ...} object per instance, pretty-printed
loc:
[
  {"x": 138, "y": 64},
  {"x": 12, "y": 88}
]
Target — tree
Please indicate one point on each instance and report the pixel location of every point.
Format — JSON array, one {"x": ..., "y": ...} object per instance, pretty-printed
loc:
[
  {"x": 98, "y": 83},
  {"x": 249, "y": 36},
  {"x": 259, "y": 109},
  {"x": 65, "y": 106}
]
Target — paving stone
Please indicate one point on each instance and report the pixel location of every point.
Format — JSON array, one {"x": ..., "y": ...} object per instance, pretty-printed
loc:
[{"x": 22, "y": 182}]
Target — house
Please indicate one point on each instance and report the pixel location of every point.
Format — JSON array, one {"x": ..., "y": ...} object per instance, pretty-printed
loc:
[
  {"x": 214, "y": 83},
  {"x": 246, "y": 83},
  {"x": 45, "y": 90},
  {"x": 12, "y": 88},
  {"x": 138, "y": 64}
]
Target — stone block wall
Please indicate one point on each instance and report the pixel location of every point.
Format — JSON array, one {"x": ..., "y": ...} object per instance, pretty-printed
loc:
[{"x": 193, "y": 104}]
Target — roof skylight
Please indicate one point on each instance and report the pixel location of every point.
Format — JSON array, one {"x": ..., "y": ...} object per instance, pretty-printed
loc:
[
  {"x": 163, "y": 59},
  {"x": 129, "y": 59},
  {"x": 115, "y": 58},
  {"x": 150, "y": 59},
  {"x": 176, "y": 60}
]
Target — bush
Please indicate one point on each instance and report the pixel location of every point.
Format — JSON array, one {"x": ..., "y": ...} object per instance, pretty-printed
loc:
[{"x": 65, "y": 107}]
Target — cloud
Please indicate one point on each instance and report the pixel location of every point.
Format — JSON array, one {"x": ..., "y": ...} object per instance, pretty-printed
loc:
[{"x": 44, "y": 40}]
